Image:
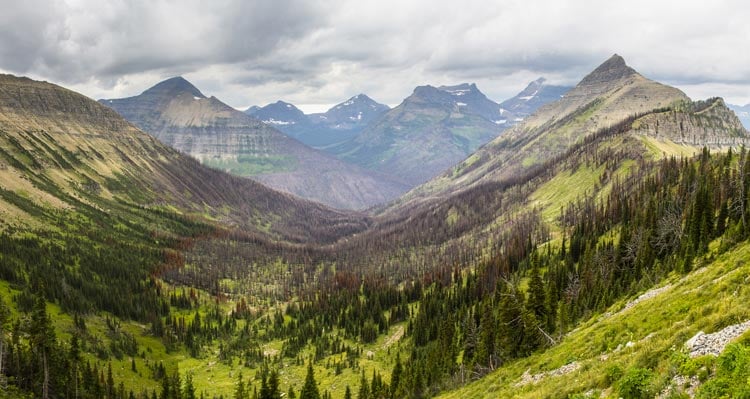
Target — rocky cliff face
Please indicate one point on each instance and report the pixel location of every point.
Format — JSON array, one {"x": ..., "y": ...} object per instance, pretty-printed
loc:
[{"x": 706, "y": 123}]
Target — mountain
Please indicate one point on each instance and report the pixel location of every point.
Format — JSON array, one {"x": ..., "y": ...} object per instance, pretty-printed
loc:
[
  {"x": 600, "y": 264},
  {"x": 536, "y": 94},
  {"x": 428, "y": 132},
  {"x": 283, "y": 116},
  {"x": 179, "y": 115},
  {"x": 252, "y": 109},
  {"x": 609, "y": 94},
  {"x": 743, "y": 113},
  {"x": 342, "y": 122},
  {"x": 66, "y": 152}
]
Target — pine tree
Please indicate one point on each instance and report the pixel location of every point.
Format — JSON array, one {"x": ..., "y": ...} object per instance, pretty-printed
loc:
[
  {"x": 42, "y": 341},
  {"x": 188, "y": 390},
  {"x": 485, "y": 353},
  {"x": 239, "y": 392},
  {"x": 395, "y": 378},
  {"x": 269, "y": 386},
  {"x": 310, "y": 389},
  {"x": 364, "y": 387},
  {"x": 537, "y": 300}
]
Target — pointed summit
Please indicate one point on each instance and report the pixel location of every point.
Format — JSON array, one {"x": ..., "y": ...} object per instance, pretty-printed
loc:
[
  {"x": 611, "y": 70},
  {"x": 533, "y": 88},
  {"x": 175, "y": 86}
]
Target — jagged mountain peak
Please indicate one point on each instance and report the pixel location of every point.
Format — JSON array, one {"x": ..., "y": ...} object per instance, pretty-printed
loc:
[
  {"x": 611, "y": 70},
  {"x": 175, "y": 86},
  {"x": 534, "y": 85},
  {"x": 448, "y": 94},
  {"x": 461, "y": 89},
  {"x": 252, "y": 109},
  {"x": 279, "y": 113},
  {"x": 361, "y": 100}
]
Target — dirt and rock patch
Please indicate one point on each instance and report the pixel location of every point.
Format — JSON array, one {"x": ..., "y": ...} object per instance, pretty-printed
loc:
[
  {"x": 713, "y": 344},
  {"x": 528, "y": 378},
  {"x": 646, "y": 296}
]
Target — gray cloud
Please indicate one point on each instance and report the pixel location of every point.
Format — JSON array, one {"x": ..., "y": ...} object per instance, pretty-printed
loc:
[{"x": 257, "y": 51}]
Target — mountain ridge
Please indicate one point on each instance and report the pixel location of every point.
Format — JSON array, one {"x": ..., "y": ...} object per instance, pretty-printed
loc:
[
  {"x": 70, "y": 147},
  {"x": 610, "y": 93},
  {"x": 225, "y": 138}
]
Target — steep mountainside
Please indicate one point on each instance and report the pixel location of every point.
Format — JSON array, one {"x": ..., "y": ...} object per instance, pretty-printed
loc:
[
  {"x": 428, "y": 132},
  {"x": 179, "y": 115},
  {"x": 61, "y": 150},
  {"x": 743, "y": 113},
  {"x": 608, "y": 95}
]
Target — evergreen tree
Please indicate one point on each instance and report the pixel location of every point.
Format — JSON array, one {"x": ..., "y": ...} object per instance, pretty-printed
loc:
[
  {"x": 395, "y": 378},
  {"x": 188, "y": 390},
  {"x": 485, "y": 353},
  {"x": 310, "y": 389},
  {"x": 364, "y": 387},
  {"x": 42, "y": 341},
  {"x": 240, "y": 392},
  {"x": 269, "y": 386},
  {"x": 537, "y": 298}
]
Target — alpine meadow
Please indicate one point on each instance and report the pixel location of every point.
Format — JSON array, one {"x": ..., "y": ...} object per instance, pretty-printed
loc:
[{"x": 374, "y": 200}]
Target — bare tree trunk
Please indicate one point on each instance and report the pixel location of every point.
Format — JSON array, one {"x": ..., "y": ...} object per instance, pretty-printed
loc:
[
  {"x": 45, "y": 384},
  {"x": 2, "y": 356}
]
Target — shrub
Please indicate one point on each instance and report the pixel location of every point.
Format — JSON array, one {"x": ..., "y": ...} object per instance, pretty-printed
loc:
[{"x": 636, "y": 384}]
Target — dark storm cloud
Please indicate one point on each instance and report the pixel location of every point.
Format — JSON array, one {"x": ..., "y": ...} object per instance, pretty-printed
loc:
[{"x": 318, "y": 52}]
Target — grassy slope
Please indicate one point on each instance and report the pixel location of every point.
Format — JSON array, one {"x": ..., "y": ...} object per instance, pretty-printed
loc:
[{"x": 708, "y": 299}]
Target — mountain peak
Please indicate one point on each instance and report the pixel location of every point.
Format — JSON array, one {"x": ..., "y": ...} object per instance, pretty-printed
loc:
[
  {"x": 175, "y": 86},
  {"x": 361, "y": 97},
  {"x": 284, "y": 107},
  {"x": 460, "y": 89},
  {"x": 252, "y": 109},
  {"x": 532, "y": 89},
  {"x": 611, "y": 70}
]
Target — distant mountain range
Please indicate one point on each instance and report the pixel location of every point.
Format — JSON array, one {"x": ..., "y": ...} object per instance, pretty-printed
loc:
[
  {"x": 436, "y": 127},
  {"x": 743, "y": 112},
  {"x": 178, "y": 114},
  {"x": 340, "y": 123},
  {"x": 430, "y": 131}
]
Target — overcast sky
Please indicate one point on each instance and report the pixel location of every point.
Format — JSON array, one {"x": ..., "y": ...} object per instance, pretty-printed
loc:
[{"x": 318, "y": 53}]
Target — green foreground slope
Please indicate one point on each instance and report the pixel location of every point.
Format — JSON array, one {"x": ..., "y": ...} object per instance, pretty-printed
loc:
[{"x": 647, "y": 334}]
